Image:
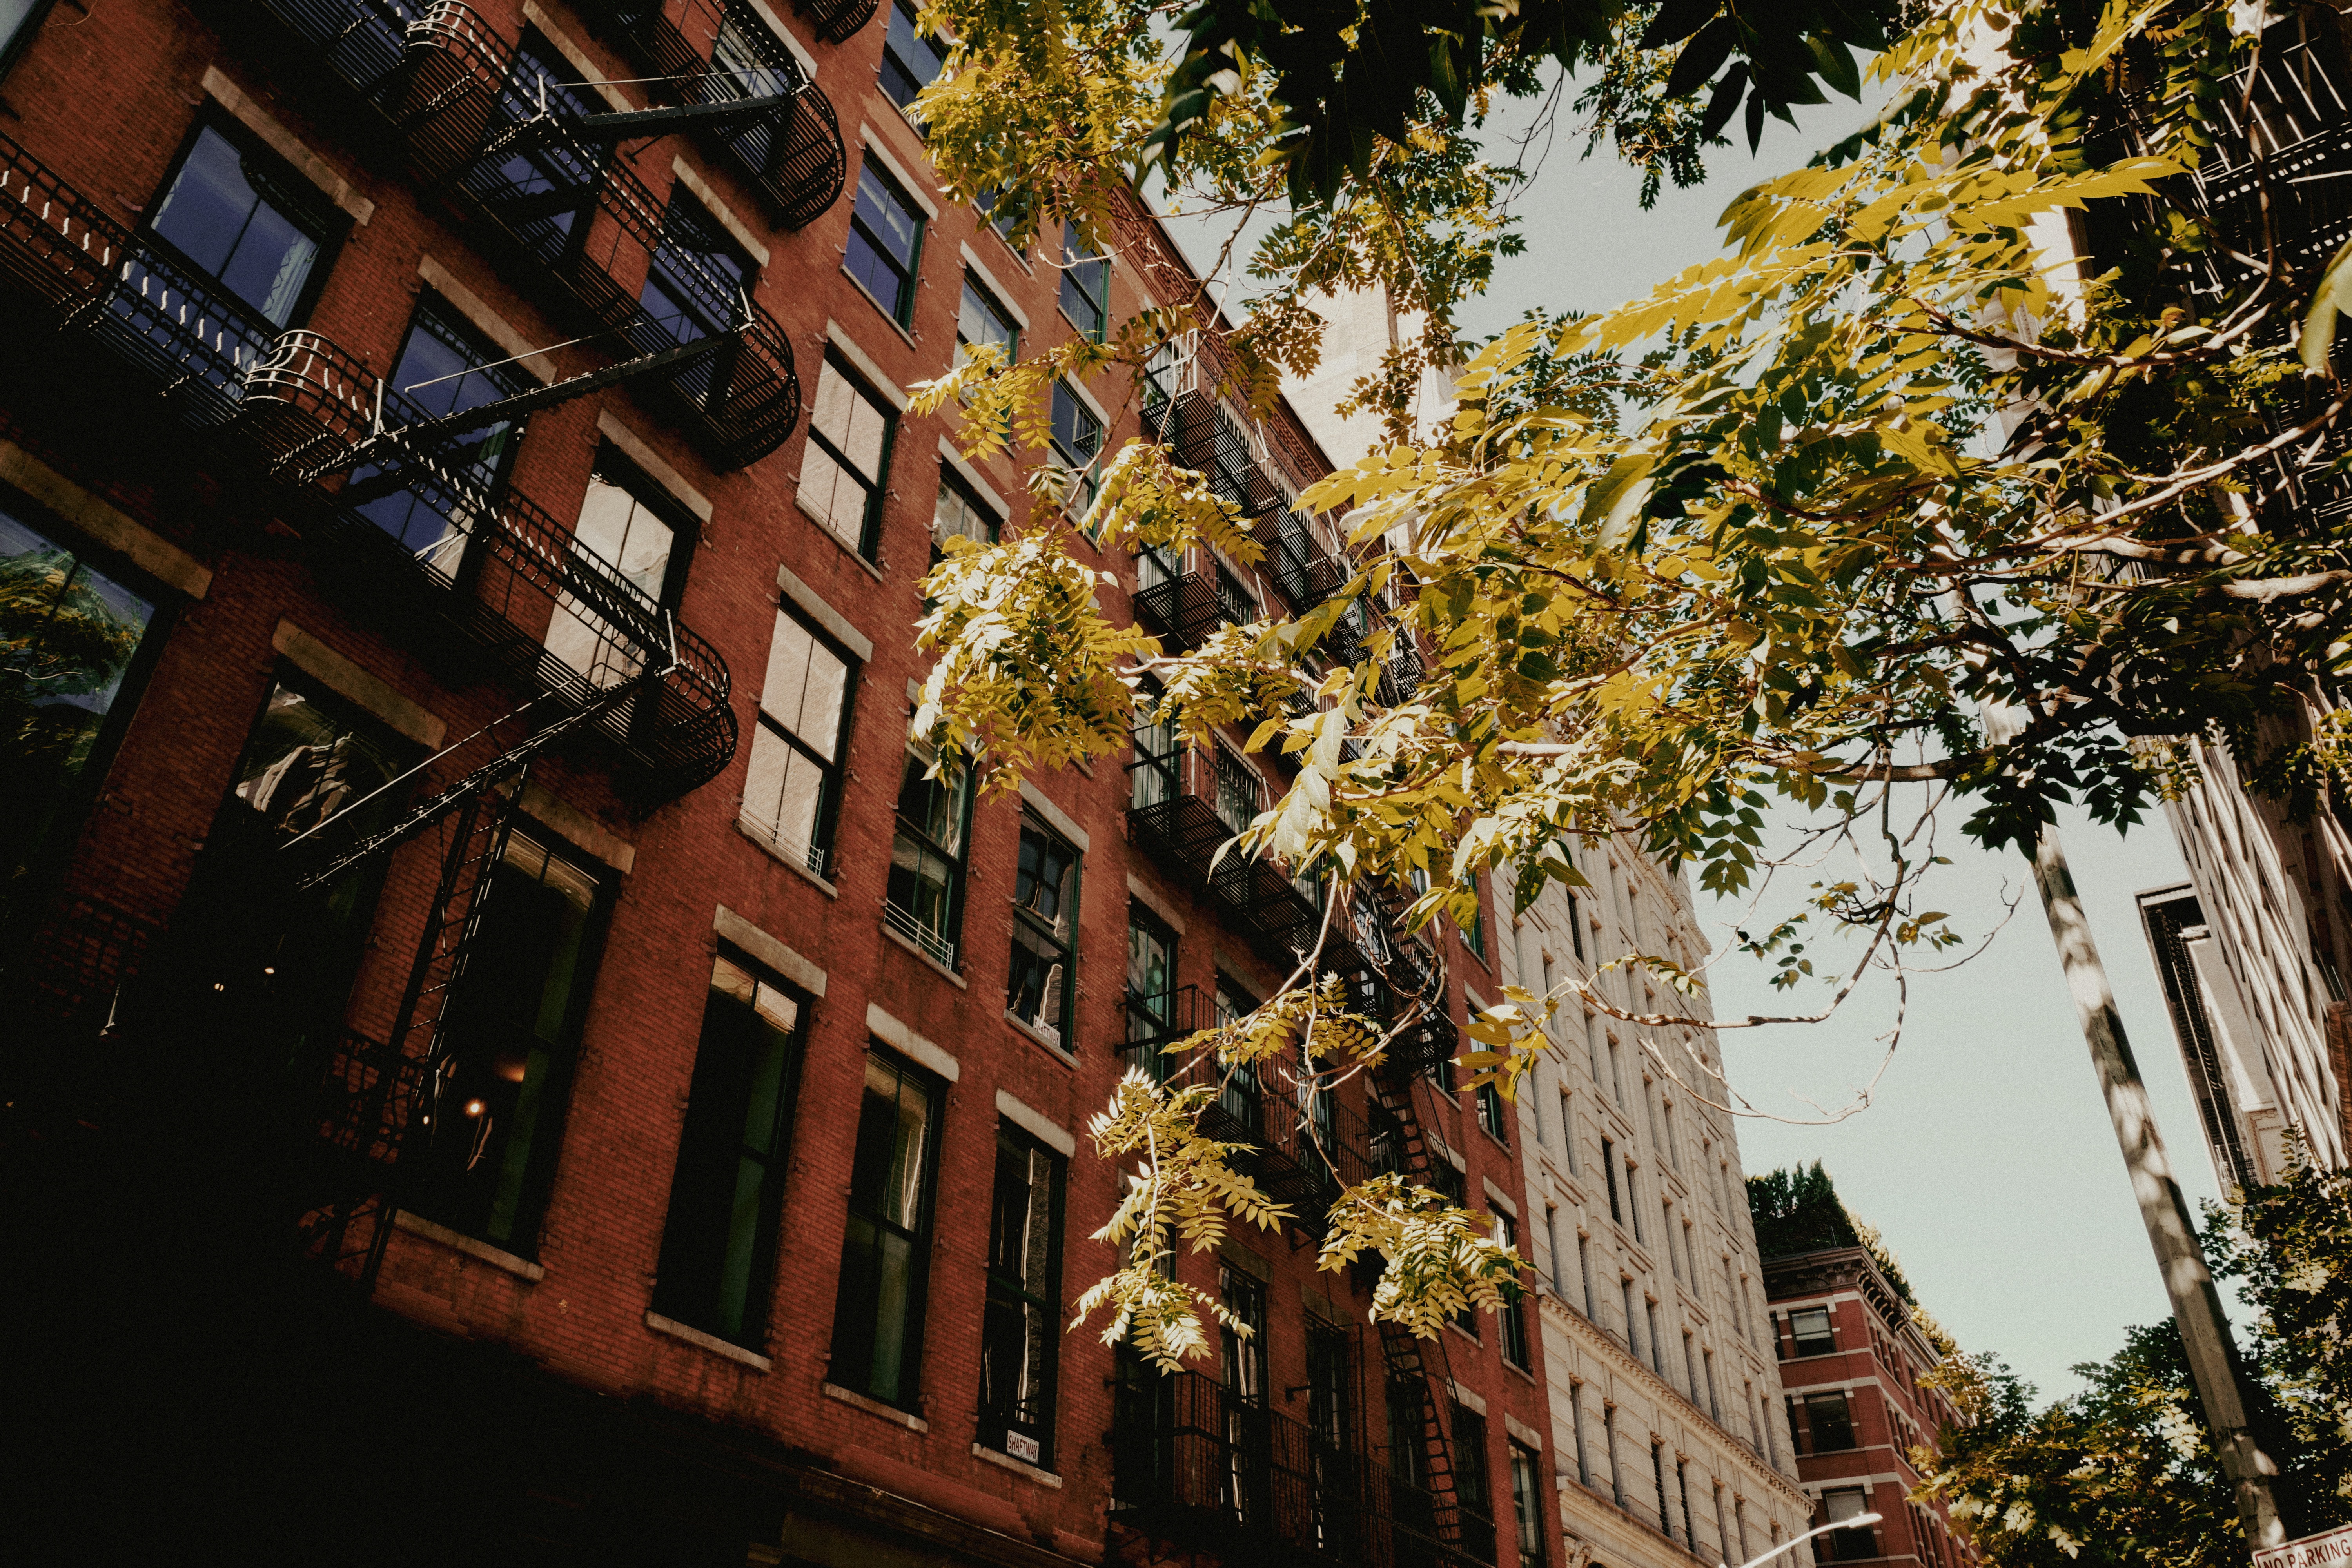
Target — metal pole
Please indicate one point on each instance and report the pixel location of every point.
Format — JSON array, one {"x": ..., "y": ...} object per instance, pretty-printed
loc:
[{"x": 2213, "y": 1363}]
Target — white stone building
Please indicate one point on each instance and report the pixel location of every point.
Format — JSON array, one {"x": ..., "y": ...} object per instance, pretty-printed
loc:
[{"x": 1665, "y": 1391}]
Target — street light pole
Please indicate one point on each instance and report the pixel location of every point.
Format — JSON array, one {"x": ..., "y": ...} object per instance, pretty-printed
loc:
[{"x": 2213, "y": 1364}]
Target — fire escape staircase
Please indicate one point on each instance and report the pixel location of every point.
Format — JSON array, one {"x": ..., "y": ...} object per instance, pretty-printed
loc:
[{"x": 381, "y": 1101}]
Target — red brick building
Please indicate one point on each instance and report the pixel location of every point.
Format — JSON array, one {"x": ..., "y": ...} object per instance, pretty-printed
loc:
[
  {"x": 512, "y": 1059},
  {"x": 1850, "y": 1361}
]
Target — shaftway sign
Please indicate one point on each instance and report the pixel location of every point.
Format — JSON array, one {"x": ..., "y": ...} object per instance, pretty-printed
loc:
[{"x": 2332, "y": 1550}]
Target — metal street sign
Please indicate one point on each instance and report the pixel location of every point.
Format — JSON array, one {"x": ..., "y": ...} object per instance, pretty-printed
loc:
[{"x": 2332, "y": 1548}]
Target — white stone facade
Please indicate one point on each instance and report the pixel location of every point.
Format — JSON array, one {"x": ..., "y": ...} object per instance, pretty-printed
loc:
[
  {"x": 1640, "y": 1207},
  {"x": 2265, "y": 983}
]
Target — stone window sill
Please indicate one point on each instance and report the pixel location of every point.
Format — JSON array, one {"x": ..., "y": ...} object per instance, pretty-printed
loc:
[
  {"x": 889, "y": 1412},
  {"x": 784, "y": 858},
  {"x": 1060, "y": 1055},
  {"x": 1018, "y": 1466},
  {"x": 457, "y": 1241},
  {"x": 710, "y": 1342},
  {"x": 824, "y": 527},
  {"x": 950, "y": 975}
]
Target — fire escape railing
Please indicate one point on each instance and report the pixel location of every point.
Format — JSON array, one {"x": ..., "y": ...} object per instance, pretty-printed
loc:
[
  {"x": 717, "y": 52},
  {"x": 504, "y": 571},
  {"x": 2282, "y": 145},
  {"x": 836, "y": 20},
  {"x": 567, "y": 219},
  {"x": 1308, "y": 1145},
  {"x": 1200, "y": 1467}
]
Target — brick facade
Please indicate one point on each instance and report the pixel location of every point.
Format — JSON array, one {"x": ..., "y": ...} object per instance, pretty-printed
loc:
[{"x": 1857, "y": 1406}]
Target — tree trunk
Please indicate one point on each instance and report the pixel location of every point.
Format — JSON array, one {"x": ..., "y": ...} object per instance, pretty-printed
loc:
[{"x": 2213, "y": 1364}]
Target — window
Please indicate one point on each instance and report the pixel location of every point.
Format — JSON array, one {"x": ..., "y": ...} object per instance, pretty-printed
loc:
[
  {"x": 1690, "y": 1365},
  {"x": 1474, "y": 935},
  {"x": 442, "y": 369},
  {"x": 1044, "y": 932},
  {"x": 1514, "y": 1311},
  {"x": 1575, "y": 928},
  {"x": 1714, "y": 1405},
  {"x": 924, "y": 900},
  {"x": 1584, "y": 1267},
  {"x": 910, "y": 58},
  {"x": 636, "y": 538},
  {"x": 794, "y": 787},
  {"x": 513, "y": 1030},
  {"x": 1667, "y": 1213},
  {"x": 236, "y": 219},
  {"x": 1657, "y": 1351},
  {"x": 849, "y": 453},
  {"x": 1235, "y": 602},
  {"x": 1633, "y": 1202},
  {"x": 1810, "y": 1326},
  {"x": 1851, "y": 1544},
  {"x": 1075, "y": 440},
  {"x": 1682, "y": 1486},
  {"x": 1085, "y": 286},
  {"x": 1491, "y": 1115},
  {"x": 694, "y": 287},
  {"x": 1609, "y": 1441},
  {"x": 1658, "y": 1476},
  {"x": 1551, "y": 1246},
  {"x": 1153, "y": 773},
  {"x": 1003, "y": 219},
  {"x": 1150, "y": 986},
  {"x": 885, "y": 242},
  {"x": 1330, "y": 1390},
  {"x": 1616, "y": 1072},
  {"x": 1633, "y": 1333},
  {"x": 1021, "y": 1334},
  {"x": 16, "y": 26},
  {"x": 72, "y": 633},
  {"x": 1243, "y": 1360},
  {"x": 718, "y": 1255},
  {"x": 1237, "y": 792},
  {"x": 981, "y": 319},
  {"x": 1527, "y": 1492},
  {"x": 1822, "y": 1423},
  {"x": 1608, "y": 1167},
  {"x": 877, "y": 1323},
  {"x": 1576, "y": 1425},
  {"x": 748, "y": 61},
  {"x": 1567, "y": 1129},
  {"x": 1473, "y": 1483}
]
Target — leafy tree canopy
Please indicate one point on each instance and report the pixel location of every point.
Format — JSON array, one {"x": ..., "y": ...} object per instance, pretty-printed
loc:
[
  {"x": 1899, "y": 507},
  {"x": 2124, "y": 1472}
]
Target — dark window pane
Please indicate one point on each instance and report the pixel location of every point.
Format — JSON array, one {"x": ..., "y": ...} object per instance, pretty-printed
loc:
[
  {"x": 69, "y": 634},
  {"x": 878, "y": 1314},
  {"x": 717, "y": 1248},
  {"x": 512, "y": 1031},
  {"x": 1086, "y": 288},
  {"x": 228, "y": 220},
  {"x": 1019, "y": 1336},
  {"x": 910, "y": 58},
  {"x": 886, "y": 232}
]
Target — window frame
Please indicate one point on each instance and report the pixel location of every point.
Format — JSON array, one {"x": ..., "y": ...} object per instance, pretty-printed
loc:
[
  {"x": 934, "y": 1090},
  {"x": 1024, "y": 918},
  {"x": 438, "y": 318},
  {"x": 698, "y": 1137},
  {"x": 1081, "y": 466},
  {"x": 869, "y": 538},
  {"x": 828, "y": 817},
  {"x": 332, "y": 225},
  {"x": 958, "y": 863},
  {"x": 996, "y": 1432},
  {"x": 1526, "y": 1499},
  {"x": 890, "y": 57},
  {"x": 902, "y": 311},
  {"x": 992, "y": 305},
  {"x": 49, "y": 846},
  {"x": 1075, "y": 269},
  {"x": 953, "y": 483},
  {"x": 549, "y": 1126},
  {"x": 1512, "y": 1337}
]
